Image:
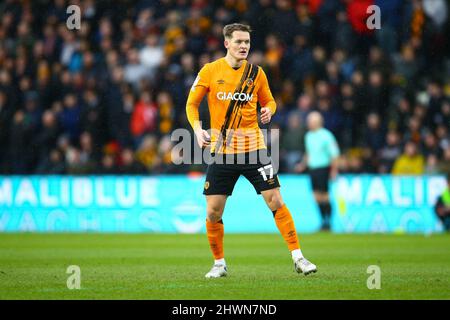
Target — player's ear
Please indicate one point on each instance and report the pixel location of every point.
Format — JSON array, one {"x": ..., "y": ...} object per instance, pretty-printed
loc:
[{"x": 226, "y": 43}]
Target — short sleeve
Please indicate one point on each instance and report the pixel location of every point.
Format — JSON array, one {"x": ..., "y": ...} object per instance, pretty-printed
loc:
[{"x": 333, "y": 146}]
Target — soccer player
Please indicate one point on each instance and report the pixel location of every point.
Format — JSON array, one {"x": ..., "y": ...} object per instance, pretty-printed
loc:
[
  {"x": 234, "y": 87},
  {"x": 321, "y": 156}
]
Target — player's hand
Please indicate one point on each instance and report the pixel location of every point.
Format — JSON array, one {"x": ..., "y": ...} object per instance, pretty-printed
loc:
[
  {"x": 333, "y": 173},
  {"x": 266, "y": 115},
  {"x": 300, "y": 167},
  {"x": 203, "y": 138}
]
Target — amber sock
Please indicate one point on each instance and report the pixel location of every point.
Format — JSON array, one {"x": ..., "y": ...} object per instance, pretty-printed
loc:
[
  {"x": 215, "y": 232},
  {"x": 286, "y": 226}
]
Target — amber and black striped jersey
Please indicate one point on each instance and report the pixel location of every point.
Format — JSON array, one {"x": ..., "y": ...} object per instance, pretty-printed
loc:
[{"x": 233, "y": 95}]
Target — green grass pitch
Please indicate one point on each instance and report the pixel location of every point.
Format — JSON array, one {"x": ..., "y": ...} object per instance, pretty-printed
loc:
[{"x": 155, "y": 266}]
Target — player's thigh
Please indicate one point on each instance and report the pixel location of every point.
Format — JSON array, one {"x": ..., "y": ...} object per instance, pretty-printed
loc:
[
  {"x": 262, "y": 176},
  {"x": 220, "y": 179}
]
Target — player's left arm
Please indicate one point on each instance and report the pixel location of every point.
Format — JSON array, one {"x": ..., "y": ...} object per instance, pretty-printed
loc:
[{"x": 266, "y": 100}]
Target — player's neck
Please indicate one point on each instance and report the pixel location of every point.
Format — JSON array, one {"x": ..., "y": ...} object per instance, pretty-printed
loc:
[{"x": 233, "y": 62}]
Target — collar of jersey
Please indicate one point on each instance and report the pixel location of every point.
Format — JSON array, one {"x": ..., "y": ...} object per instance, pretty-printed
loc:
[{"x": 242, "y": 65}]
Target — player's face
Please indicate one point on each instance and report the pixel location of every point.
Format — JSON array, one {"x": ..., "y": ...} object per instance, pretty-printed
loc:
[{"x": 238, "y": 45}]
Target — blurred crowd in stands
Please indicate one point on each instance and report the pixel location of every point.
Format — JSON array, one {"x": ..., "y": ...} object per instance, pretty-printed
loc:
[{"x": 104, "y": 99}]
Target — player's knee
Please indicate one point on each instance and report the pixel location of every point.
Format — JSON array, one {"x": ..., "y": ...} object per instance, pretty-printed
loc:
[
  {"x": 214, "y": 214},
  {"x": 318, "y": 196},
  {"x": 275, "y": 201}
]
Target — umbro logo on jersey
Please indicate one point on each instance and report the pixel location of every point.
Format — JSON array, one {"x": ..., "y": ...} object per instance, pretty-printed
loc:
[{"x": 220, "y": 81}]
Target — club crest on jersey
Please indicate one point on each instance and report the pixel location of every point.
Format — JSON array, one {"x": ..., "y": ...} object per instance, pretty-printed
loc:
[
  {"x": 239, "y": 96},
  {"x": 249, "y": 82}
]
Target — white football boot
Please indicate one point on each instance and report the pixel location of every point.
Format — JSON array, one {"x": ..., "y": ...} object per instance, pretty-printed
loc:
[
  {"x": 217, "y": 271},
  {"x": 302, "y": 265}
]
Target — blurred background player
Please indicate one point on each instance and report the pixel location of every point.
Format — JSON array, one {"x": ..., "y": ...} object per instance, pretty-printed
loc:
[
  {"x": 321, "y": 156},
  {"x": 234, "y": 87},
  {"x": 442, "y": 207}
]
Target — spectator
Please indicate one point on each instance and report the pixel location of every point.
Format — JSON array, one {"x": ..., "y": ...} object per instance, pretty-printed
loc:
[
  {"x": 74, "y": 163},
  {"x": 92, "y": 117},
  {"x": 46, "y": 138},
  {"x": 144, "y": 117},
  {"x": 374, "y": 134},
  {"x": 107, "y": 165},
  {"x": 355, "y": 165},
  {"x": 129, "y": 164},
  {"x": 442, "y": 117},
  {"x": 377, "y": 94},
  {"x": 6, "y": 113},
  {"x": 343, "y": 33},
  {"x": 134, "y": 70},
  {"x": 148, "y": 152},
  {"x": 163, "y": 162},
  {"x": 346, "y": 103},
  {"x": 152, "y": 54},
  {"x": 280, "y": 118},
  {"x": 390, "y": 152},
  {"x": 414, "y": 132},
  {"x": 430, "y": 145},
  {"x": 284, "y": 20},
  {"x": 444, "y": 164},
  {"x": 292, "y": 142},
  {"x": 297, "y": 63},
  {"x": 431, "y": 166},
  {"x": 88, "y": 152},
  {"x": 410, "y": 162},
  {"x": 435, "y": 101},
  {"x": 70, "y": 117},
  {"x": 401, "y": 115},
  {"x": 331, "y": 116},
  {"x": 18, "y": 141},
  {"x": 405, "y": 67},
  {"x": 166, "y": 113},
  {"x": 52, "y": 164}
]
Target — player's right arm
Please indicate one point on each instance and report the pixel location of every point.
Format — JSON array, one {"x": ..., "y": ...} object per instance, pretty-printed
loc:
[
  {"x": 198, "y": 90},
  {"x": 302, "y": 165},
  {"x": 334, "y": 155}
]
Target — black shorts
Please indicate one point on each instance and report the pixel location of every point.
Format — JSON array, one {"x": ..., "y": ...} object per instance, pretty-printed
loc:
[
  {"x": 320, "y": 178},
  {"x": 222, "y": 174}
]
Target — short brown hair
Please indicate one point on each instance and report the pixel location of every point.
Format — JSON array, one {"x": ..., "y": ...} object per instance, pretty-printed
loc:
[{"x": 230, "y": 28}]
